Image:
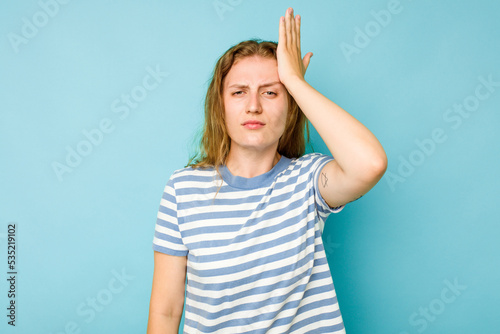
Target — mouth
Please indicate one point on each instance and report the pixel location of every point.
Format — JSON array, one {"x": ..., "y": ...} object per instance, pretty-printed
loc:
[{"x": 252, "y": 124}]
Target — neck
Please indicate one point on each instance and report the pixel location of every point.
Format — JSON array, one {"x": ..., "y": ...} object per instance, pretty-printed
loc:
[{"x": 251, "y": 163}]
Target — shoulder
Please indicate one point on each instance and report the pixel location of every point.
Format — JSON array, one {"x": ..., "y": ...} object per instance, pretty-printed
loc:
[
  {"x": 190, "y": 171},
  {"x": 189, "y": 176}
]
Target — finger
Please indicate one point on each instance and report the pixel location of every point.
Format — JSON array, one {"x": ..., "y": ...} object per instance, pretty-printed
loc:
[
  {"x": 282, "y": 32},
  {"x": 288, "y": 25},
  {"x": 293, "y": 31},
  {"x": 307, "y": 60},
  {"x": 297, "y": 29}
]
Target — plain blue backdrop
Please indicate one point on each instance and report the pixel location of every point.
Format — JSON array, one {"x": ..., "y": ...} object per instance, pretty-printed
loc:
[{"x": 102, "y": 100}]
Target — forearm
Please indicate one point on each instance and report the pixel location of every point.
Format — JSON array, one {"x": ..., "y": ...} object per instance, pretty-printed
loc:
[
  {"x": 162, "y": 324},
  {"x": 356, "y": 150}
]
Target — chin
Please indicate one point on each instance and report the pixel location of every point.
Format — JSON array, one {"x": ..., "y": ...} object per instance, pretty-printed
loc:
[{"x": 255, "y": 142}]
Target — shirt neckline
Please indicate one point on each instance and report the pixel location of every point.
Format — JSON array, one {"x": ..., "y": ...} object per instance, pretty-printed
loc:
[{"x": 256, "y": 181}]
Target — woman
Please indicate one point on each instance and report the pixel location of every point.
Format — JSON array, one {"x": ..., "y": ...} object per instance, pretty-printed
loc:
[{"x": 243, "y": 222}]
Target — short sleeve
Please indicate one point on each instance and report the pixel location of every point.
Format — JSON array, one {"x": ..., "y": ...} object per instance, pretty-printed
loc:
[
  {"x": 323, "y": 208},
  {"x": 167, "y": 237}
]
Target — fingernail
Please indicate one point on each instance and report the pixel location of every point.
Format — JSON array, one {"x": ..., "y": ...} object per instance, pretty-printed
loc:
[{"x": 290, "y": 10}]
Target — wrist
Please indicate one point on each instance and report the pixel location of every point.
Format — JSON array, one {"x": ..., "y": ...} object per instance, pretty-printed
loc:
[{"x": 295, "y": 84}]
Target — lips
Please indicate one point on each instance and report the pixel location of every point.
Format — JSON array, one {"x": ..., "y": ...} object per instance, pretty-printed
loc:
[{"x": 253, "y": 124}]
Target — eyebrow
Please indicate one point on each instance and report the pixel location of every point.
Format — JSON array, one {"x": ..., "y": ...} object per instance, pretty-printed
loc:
[{"x": 246, "y": 86}]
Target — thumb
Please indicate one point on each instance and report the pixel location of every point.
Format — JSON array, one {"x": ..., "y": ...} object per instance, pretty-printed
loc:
[{"x": 306, "y": 60}]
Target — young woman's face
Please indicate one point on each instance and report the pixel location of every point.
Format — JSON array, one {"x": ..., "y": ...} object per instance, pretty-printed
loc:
[{"x": 256, "y": 104}]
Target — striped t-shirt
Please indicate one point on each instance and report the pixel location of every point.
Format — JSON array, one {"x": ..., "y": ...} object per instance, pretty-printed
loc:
[{"x": 255, "y": 257}]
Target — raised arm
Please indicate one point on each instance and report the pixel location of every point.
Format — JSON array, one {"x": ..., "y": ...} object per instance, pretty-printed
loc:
[
  {"x": 360, "y": 161},
  {"x": 167, "y": 294}
]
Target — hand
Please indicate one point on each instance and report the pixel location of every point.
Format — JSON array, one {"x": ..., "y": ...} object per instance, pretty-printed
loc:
[{"x": 290, "y": 64}]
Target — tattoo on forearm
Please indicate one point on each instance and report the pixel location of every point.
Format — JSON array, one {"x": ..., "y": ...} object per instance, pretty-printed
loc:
[{"x": 324, "y": 180}]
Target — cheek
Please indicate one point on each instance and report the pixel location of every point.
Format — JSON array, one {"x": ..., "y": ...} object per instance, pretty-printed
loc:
[
  {"x": 232, "y": 125},
  {"x": 280, "y": 124},
  {"x": 284, "y": 114},
  {"x": 229, "y": 122},
  {"x": 228, "y": 113}
]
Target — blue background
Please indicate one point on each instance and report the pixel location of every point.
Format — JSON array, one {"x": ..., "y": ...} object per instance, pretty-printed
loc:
[{"x": 432, "y": 219}]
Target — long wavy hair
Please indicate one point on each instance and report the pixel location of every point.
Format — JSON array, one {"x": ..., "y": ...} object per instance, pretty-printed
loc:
[{"x": 215, "y": 142}]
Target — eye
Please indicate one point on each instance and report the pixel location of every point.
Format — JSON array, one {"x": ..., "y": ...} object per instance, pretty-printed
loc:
[
  {"x": 237, "y": 93},
  {"x": 270, "y": 93}
]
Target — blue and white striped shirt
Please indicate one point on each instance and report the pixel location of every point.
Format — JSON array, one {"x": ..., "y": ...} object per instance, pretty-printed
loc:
[{"x": 255, "y": 257}]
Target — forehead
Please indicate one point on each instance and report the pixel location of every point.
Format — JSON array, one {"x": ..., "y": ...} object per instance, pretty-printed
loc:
[{"x": 252, "y": 71}]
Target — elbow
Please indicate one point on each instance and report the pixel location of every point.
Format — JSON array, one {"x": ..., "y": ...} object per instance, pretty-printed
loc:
[
  {"x": 377, "y": 166},
  {"x": 373, "y": 169},
  {"x": 380, "y": 164},
  {"x": 366, "y": 168},
  {"x": 167, "y": 309}
]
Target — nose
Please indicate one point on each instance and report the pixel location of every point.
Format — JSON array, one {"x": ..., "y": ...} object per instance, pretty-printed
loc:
[{"x": 254, "y": 105}]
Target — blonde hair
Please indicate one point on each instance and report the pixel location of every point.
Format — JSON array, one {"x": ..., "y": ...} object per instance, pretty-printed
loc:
[{"x": 215, "y": 142}]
